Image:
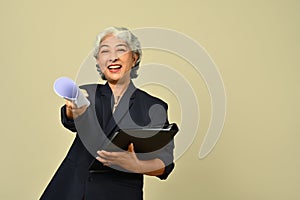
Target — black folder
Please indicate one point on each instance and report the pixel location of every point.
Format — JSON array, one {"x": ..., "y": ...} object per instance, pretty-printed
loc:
[{"x": 145, "y": 140}]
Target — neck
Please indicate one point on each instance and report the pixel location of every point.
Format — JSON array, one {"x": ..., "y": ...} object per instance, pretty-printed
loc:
[{"x": 119, "y": 88}]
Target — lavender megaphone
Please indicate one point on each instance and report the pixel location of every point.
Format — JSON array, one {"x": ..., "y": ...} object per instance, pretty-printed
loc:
[{"x": 67, "y": 88}]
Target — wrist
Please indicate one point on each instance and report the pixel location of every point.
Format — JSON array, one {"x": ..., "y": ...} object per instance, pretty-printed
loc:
[{"x": 139, "y": 167}]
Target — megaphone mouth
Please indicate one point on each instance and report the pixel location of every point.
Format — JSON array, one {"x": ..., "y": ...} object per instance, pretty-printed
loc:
[{"x": 66, "y": 88}]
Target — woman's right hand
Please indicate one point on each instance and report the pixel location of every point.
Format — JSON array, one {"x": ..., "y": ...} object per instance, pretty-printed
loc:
[{"x": 72, "y": 111}]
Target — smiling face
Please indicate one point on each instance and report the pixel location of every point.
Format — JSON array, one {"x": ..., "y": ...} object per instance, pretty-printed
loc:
[{"x": 115, "y": 59}]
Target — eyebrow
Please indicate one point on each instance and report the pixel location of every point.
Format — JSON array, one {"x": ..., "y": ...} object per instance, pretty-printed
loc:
[
  {"x": 122, "y": 45},
  {"x": 118, "y": 45}
]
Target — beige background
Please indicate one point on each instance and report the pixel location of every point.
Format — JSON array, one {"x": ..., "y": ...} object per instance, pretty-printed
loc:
[{"x": 255, "y": 45}]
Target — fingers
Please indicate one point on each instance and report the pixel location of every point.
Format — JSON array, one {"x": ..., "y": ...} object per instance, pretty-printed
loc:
[
  {"x": 73, "y": 111},
  {"x": 70, "y": 104},
  {"x": 69, "y": 109},
  {"x": 104, "y": 161},
  {"x": 107, "y": 155},
  {"x": 111, "y": 157},
  {"x": 106, "y": 158},
  {"x": 125, "y": 159}
]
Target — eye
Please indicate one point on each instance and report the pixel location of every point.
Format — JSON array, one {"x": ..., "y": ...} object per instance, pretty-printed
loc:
[
  {"x": 121, "y": 49},
  {"x": 104, "y": 51}
]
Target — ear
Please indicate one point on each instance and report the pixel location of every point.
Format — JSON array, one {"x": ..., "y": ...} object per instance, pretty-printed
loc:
[{"x": 135, "y": 57}]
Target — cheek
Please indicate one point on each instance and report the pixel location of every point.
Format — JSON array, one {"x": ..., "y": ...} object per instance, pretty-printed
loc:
[
  {"x": 101, "y": 61},
  {"x": 101, "y": 66},
  {"x": 128, "y": 59}
]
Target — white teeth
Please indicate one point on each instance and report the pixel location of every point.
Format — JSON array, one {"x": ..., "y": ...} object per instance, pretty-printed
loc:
[{"x": 114, "y": 66}]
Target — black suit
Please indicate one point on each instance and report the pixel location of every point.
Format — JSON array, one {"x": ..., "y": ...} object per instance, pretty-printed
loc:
[{"x": 75, "y": 179}]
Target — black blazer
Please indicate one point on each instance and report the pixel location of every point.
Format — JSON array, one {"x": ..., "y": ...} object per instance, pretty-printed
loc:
[{"x": 74, "y": 178}]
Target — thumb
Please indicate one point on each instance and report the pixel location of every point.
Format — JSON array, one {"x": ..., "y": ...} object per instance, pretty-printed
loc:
[{"x": 130, "y": 147}]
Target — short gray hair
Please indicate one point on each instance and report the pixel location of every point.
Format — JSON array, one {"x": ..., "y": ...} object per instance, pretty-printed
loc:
[{"x": 125, "y": 35}]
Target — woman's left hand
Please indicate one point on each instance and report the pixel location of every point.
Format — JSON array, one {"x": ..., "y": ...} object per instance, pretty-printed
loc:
[{"x": 126, "y": 159}]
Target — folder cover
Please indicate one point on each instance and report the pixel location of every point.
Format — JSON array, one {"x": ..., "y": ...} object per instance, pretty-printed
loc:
[{"x": 145, "y": 140}]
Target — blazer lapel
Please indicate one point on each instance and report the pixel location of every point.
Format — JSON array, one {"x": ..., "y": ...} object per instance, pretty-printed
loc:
[
  {"x": 103, "y": 105},
  {"x": 122, "y": 109}
]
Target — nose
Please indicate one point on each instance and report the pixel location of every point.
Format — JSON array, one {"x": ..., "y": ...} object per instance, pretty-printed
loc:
[{"x": 113, "y": 56}]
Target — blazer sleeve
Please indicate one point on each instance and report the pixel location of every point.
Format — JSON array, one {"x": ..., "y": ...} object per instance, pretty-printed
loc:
[
  {"x": 165, "y": 154},
  {"x": 67, "y": 123}
]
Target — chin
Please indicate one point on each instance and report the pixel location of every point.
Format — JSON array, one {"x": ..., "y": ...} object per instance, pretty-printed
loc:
[{"x": 117, "y": 79}]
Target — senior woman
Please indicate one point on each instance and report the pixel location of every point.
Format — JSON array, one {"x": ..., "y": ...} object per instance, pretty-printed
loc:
[{"x": 118, "y": 104}]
